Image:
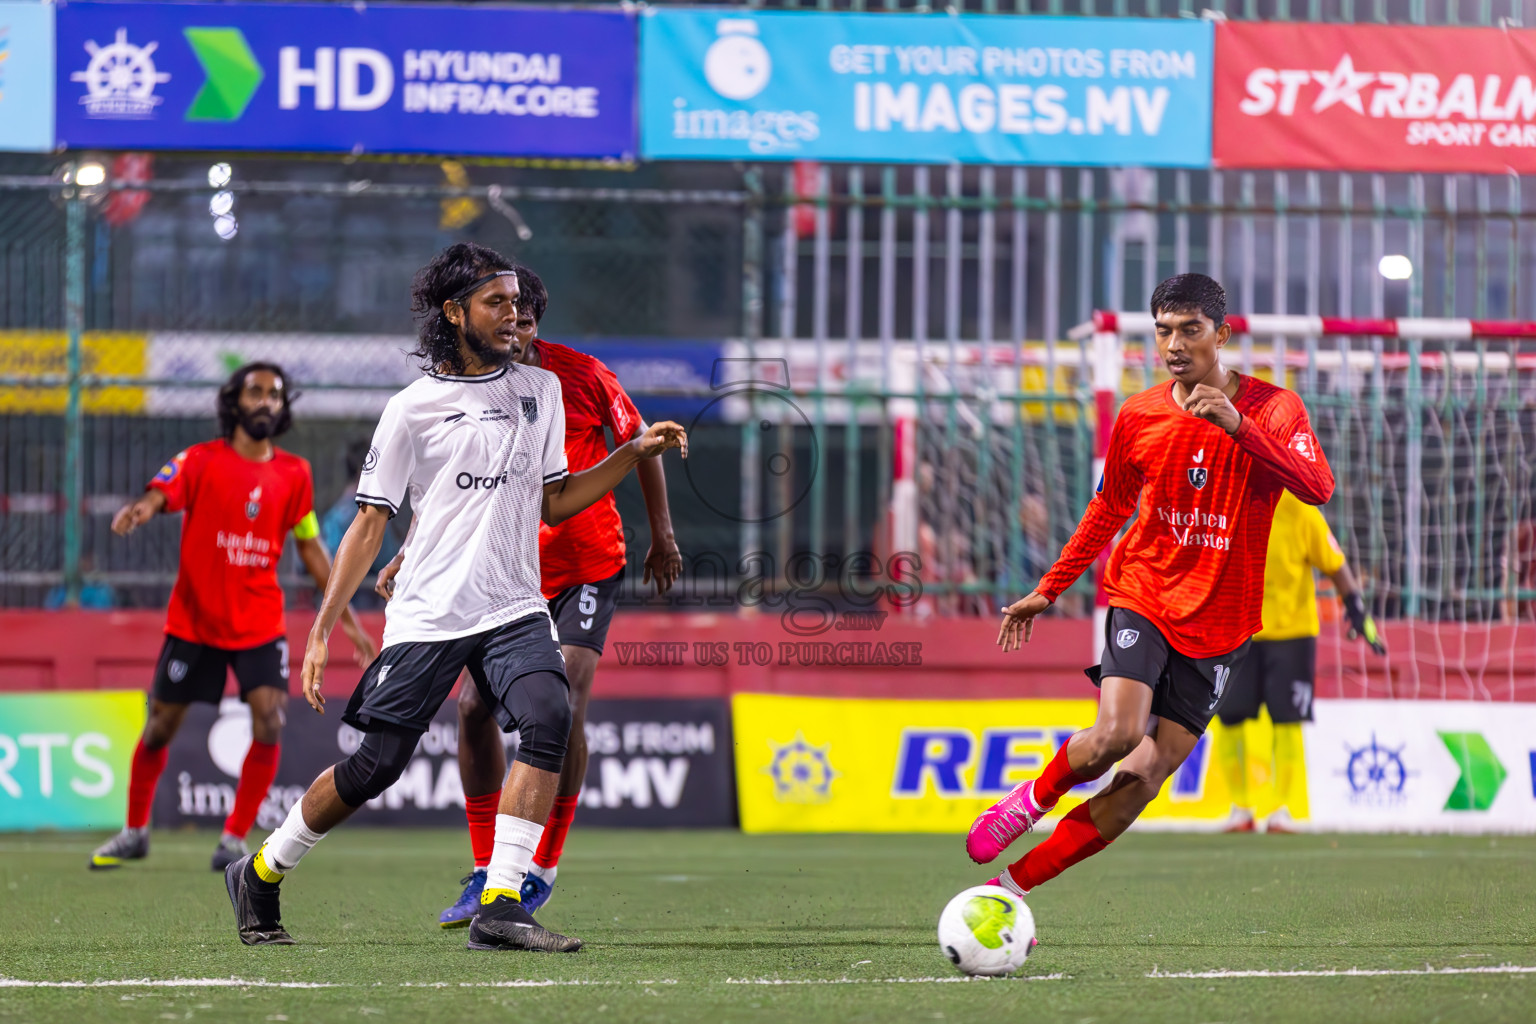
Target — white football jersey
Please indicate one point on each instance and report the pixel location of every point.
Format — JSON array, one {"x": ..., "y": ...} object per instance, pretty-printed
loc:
[{"x": 474, "y": 454}]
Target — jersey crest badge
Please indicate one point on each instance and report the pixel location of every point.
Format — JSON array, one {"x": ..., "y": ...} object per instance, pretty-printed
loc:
[
  {"x": 1198, "y": 475},
  {"x": 1127, "y": 638},
  {"x": 1303, "y": 444},
  {"x": 253, "y": 503},
  {"x": 530, "y": 408}
]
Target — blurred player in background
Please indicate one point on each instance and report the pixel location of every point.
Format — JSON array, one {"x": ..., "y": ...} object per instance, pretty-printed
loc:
[
  {"x": 242, "y": 496},
  {"x": 478, "y": 444},
  {"x": 1205, "y": 458},
  {"x": 1280, "y": 669},
  {"x": 582, "y": 565}
]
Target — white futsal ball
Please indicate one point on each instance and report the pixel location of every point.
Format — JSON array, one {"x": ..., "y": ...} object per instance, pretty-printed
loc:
[{"x": 987, "y": 930}]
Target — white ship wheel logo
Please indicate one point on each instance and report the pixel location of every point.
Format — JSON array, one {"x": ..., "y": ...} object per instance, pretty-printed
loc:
[{"x": 121, "y": 69}]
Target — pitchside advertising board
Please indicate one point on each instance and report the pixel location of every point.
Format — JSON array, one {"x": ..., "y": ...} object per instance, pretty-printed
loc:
[
  {"x": 26, "y": 77},
  {"x": 924, "y": 88},
  {"x": 64, "y": 758},
  {"x": 270, "y": 76},
  {"x": 830, "y": 765},
  {"x": 1375, "y": 98},
  {"x": 653, "y": 763}
]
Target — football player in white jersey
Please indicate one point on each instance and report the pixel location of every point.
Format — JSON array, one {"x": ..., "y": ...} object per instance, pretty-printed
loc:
[{"x": 478, "y": 445}]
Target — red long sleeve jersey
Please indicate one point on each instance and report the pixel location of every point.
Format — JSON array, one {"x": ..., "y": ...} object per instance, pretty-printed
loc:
[{"x": 1193, "y": 561}]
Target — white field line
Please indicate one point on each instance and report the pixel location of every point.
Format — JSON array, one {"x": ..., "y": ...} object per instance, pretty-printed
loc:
[
  {"x": 263, "y": 983},
  {"x": 946, "y": 980},
  {"x": 1353, "y": 972}
]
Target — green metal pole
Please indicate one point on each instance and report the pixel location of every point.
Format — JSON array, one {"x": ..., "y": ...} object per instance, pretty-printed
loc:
[{"x": 74, "y": 326}]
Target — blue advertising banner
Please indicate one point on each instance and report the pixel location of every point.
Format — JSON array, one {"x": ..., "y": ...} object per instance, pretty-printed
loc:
[
  {"x": 334, "y": 77},
  {"x": 26, "y": 76},
  {"x": 930, "y": 88}
]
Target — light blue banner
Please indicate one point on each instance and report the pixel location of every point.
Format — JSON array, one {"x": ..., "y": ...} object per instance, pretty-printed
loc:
[
  {"x": 931, "y": 88},
  {"x": 26, "y": 76}
]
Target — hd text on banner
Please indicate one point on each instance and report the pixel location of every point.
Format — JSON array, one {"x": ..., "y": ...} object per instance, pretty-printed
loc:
[
  {"x": 26, "y": 76},
  {"x": 1376, "y": 98},
  {"x": 813, "y": 764},
  {"x": 334, "y": 77},
  {"x": 931, "y": 88}
]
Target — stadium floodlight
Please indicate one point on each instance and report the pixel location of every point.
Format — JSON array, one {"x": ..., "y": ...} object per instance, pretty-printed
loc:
[
  {"x": 220, "y": 175},
  {"x": 91, "y": 174},
  {"x": 1395, "y": 267},
  {"x": 226, "y": 227},
  {"x": 221, "y": 203}
]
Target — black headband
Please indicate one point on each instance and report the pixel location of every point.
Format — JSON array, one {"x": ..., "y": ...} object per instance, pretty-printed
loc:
[{"x": 474, "y": 285}]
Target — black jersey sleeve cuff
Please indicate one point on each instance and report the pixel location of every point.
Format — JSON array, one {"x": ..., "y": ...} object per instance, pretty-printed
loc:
[{"x": 377, "y": 502}]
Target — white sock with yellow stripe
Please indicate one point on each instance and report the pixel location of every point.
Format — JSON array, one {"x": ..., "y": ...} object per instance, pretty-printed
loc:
[
  {"x": 516, "y": 840},
  {"x": 285, "y": 847}
]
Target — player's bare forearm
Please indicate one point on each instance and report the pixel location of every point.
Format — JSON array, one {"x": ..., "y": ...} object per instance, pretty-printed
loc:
[
  {"x": 354, "y": 557},
  {"x": 318, "y": 563},
  {"x": 579, "y": 491},
  {"x": 136, "y": 513},
  {"x": 663, "y": 562},
  {"x": 1344, "y": 581}
]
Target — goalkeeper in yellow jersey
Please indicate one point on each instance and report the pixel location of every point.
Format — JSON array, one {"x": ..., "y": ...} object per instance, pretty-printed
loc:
[{"x": 1279, "y": 670}]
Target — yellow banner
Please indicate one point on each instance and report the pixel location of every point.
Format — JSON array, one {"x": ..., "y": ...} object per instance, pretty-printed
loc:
[
  {"x": 814, "y": 764},
  {"x": 46, "y": 353}
]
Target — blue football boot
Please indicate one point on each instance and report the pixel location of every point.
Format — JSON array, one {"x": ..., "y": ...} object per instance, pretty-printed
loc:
[
  {"x": 460, "y": 914},
  {"x": 536, "y": 892}
]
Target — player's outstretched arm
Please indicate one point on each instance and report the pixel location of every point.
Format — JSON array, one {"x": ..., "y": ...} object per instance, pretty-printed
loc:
[
  {"x": 354, "y": 558},
  {"x": 1019, "y": 620},
  {"x": 318, "y": 563},
  {"x": 579, "y": 491},
  {"x": 135, "y": 514}
]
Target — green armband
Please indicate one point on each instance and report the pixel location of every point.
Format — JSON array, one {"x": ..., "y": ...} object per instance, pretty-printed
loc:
[{"x": 308, "y": 528}]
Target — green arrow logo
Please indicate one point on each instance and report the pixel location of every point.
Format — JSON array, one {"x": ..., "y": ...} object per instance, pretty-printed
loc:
[
  {"x": 232, "y": 71},
  {"x": 1481, "y": 772}
]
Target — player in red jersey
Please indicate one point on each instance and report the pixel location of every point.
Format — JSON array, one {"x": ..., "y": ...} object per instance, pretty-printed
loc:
[
  {"x": 1207, "y": 456},
  {"x": 581, "y": 566},
  {"x": 242, "y": 495}
]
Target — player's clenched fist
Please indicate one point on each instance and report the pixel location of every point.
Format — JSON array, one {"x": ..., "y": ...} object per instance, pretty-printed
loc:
[
  {"x": 1212, "y": 405},
  {"x": 316, "y": 655},
  {"x": 1019, "y": 620},
  {"x": 659, "y": 437}
]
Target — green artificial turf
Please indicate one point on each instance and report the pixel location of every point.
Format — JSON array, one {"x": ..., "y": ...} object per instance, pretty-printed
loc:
[{"x": 685, "y": 926}]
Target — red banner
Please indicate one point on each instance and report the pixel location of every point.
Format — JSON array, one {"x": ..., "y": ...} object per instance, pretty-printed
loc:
[{"x": 1375, "y": 98}]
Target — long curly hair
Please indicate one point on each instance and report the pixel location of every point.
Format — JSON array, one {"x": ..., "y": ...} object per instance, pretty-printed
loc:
[
  {"x": 446, "y": 277},
  {"x": 229, "y": 399}
]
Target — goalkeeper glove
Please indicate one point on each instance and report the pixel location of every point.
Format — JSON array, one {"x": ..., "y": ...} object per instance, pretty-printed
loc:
[{"x": 1361, "y": 625}]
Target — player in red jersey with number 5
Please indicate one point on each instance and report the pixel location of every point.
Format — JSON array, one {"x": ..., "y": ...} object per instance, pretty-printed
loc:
[
  {"x": 241, "y": 495},
  {"x": 1207, "y": 456}
]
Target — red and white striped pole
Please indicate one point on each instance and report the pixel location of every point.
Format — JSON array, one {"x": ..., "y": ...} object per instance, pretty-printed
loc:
[
  {"x": 1425, "y": 328},
  {"x": 1108, "y": 365}
]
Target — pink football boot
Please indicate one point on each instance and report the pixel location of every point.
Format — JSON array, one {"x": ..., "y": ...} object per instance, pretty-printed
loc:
[{"x": 1003, "y": 822}]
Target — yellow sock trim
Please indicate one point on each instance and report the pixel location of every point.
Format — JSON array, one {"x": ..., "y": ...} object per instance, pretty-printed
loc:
[
  {"x": 265, "y": 871},
  {"x": 489, "y": 895}
]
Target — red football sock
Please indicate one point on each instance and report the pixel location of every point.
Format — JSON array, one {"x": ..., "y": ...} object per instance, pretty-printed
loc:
[
  {"x": 143, "y": 777},
  {"x": 480, "y": 812},
  {"x": 1057, "y": 778},
  {"x": 1075, "y": 838},
  {"x": 559, "y": 823},
  {"x": 256, "y": 776}
]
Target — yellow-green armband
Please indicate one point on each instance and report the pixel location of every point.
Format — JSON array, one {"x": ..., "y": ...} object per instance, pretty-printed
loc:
[{"x": 308, "y": 528}]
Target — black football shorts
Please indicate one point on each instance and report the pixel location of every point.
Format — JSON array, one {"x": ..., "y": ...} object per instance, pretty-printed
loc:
[
  {"x": 584, "y": 612},
  {"x": 189, "y": 673},
  {"x": 1278, "y": 673},
  {"x": 1185, "y": 690},
  {"x": 408, "y": 682}
]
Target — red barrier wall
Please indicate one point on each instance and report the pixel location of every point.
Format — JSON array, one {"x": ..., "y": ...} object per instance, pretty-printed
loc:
[{"x": 954, "y": 658}]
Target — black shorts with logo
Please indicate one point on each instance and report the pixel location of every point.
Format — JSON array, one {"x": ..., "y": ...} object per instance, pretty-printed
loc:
[
  {"x": 1184, "y": 690},
  {"x": 189, "y": 673},
  {"x": 408, "y": 682},
  {"x": 584, "y": 612},
  {"x": 1278, "y": 673}
]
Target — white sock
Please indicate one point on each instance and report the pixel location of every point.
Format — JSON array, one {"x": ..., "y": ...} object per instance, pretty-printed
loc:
[
  {"x": 516, "y": 839},
  {"x": 548, "y": 874},
  {"x": 292, "y": 840}
]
